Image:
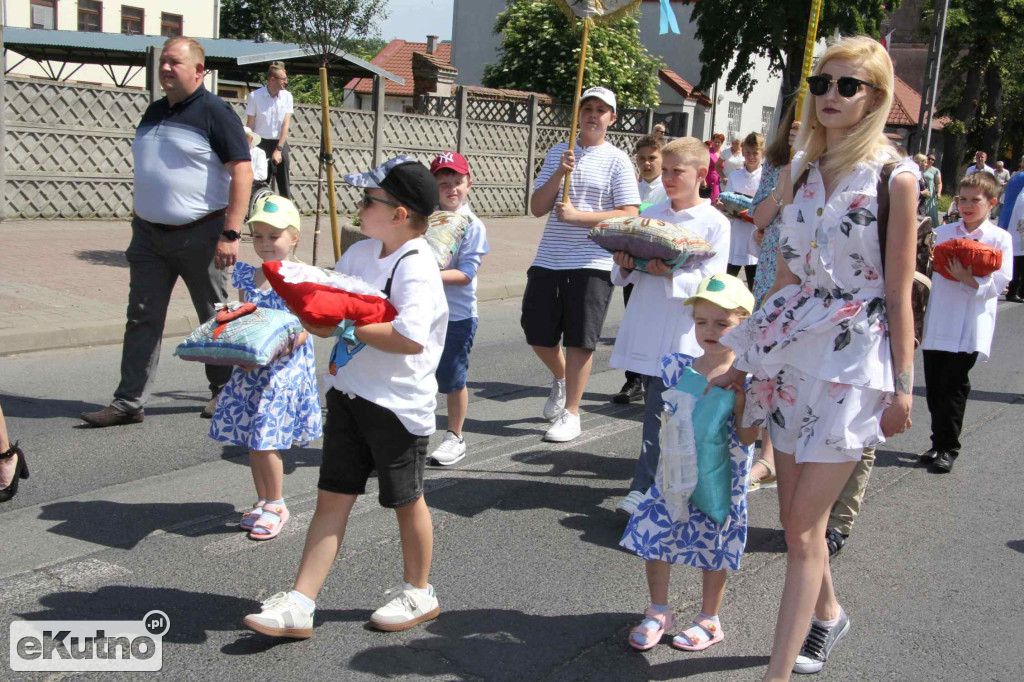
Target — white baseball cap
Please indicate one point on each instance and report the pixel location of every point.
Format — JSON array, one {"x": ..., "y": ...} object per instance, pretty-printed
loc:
[{"x": 603, "y": 94}]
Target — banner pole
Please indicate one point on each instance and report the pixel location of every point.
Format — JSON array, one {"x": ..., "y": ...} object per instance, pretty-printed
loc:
[{"x": 576, "y": 102}]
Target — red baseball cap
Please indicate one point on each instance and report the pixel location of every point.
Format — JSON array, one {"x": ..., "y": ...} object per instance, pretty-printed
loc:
[{"x": 452, "y": 161}]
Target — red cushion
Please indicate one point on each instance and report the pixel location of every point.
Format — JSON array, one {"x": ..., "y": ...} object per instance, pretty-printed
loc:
[
  {"x": 323, "y": 305},
  {"x": 982, "y": 258}
]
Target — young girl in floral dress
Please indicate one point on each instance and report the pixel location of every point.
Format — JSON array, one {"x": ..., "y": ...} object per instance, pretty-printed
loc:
[{"x": 832, "y": 347}]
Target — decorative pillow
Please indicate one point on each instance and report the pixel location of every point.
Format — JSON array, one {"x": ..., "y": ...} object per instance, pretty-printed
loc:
[
  {"x": 326, "y": 297},
  {"x": 984, "y": 259},
  {"x": 735, "y": 203},
  {"x": 444, "y": 235},
  {"x": 242, "y": 335},
  {"x": 647, "y": 238}
]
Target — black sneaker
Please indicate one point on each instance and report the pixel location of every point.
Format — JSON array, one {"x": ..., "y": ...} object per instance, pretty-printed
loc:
[
  {"x": 835, "y": 541},
  {"x": 631, "y": 391},
  {"x": 928, "y": 456},
  {"x": 943, "y": 464},
  {"x": 819, "y": 643}
]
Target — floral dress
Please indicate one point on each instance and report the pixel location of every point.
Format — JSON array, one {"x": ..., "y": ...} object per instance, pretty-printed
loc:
[
  {"x": 765, "y": 276},
  {"x": 272, "y": 407},
  {"x": 819, "y": 350},
  {"x": 699, "y": 541}
]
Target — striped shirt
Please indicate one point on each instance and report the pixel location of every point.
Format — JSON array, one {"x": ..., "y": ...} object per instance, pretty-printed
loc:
[{"x": 602, "y": 180}]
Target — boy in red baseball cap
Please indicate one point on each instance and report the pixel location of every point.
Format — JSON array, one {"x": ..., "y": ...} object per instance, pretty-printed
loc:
[{"x": 451, "y": 170}]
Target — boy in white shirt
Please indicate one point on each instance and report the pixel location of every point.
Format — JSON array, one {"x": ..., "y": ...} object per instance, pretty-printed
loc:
[
  {"x": 451, "y": 170},
  {"x": 380, "y": 405},
  {"x": 961, "y": 318},
  {"x": 745, "y": 181},
  {"x": 568, "y": 287},
  {"x": 258, "y": 157},
  {"x": 656, "y": 321}
]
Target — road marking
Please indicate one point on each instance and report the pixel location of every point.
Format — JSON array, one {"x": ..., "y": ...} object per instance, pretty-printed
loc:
[{"x": 31, "y": 585}]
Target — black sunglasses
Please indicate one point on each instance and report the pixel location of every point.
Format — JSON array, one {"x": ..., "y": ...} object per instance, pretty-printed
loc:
[
  {"x": 367, "y": 198},
  {"x": 846, "y": 86}
]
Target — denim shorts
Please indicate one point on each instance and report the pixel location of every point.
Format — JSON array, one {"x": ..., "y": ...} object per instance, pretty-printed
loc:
[{"x": 451, "y": 371}]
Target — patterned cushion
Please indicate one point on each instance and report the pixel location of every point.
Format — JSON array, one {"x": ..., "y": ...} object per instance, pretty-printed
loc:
[
  {"x": 984, "y": 259},
  {"x": 326, "y": 297},
  {"x": 647, "y": 238},
  {"x": 256, "y": 338},
  {"x": 735, "y": 203},
  {"x": 444, "y": 235}
]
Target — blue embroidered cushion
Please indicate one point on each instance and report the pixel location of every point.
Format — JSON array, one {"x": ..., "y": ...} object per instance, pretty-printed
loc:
[
  {"x": 254, "y": 339},
  {"x": 647, "y": 238}
]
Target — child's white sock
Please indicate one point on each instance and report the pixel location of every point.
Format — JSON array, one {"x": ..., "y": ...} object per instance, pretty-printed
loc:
[
  {"x": 713, "y": 619},
  {"x": 303, "y": 600},
  {"x": 830, "y": 623},
  {"x": 461, "y": 438},
  {"x": 428, "y": 591},
  {"x": 660, "y": 608}
]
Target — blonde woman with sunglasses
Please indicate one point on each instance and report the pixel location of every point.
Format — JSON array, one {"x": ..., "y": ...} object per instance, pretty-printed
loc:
[{"x": 832, "y": 347}]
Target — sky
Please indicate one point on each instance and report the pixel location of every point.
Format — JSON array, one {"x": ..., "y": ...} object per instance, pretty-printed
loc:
[{"x": 414, "y": 20}]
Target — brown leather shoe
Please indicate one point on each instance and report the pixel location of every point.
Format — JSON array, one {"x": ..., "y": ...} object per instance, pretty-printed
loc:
[{"x": 111, "y": 416}]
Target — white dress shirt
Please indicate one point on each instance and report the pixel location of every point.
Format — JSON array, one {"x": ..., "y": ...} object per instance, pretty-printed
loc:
[
  {"x": 960, "y": 319},
  {"x": 269, "y": 112},
  {"x": 652, "y": 192}
]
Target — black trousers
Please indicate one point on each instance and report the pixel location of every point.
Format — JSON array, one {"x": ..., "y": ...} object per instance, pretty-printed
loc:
[
  {"x": 626, "y": 291},
  {"x": 1017, "y": 283},
  {"x": 749, "y": 270},
  {"x": 278, "y": 172},
  {"x": 947, "y": 385}
]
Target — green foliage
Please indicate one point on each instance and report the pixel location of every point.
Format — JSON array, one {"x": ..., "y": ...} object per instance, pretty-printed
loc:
[
  {"x": 944, "y": 201},
  {"x": 540, "y": 52},
  {"x": 733, "y": 33}
]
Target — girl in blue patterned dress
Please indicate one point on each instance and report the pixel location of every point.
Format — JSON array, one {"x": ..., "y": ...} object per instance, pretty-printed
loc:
[
  {"x": 269, "y": 409},
  {"x": 721, "y": 303}
]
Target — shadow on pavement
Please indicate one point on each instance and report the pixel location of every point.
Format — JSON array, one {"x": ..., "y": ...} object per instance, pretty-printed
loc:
[
  {"x": 985, "y": 396},
  {"x": 592, "y": 466},
  {"x": 1016, "y": 545},
  {"x": 503, "y": 392},
  {"x": 116, "y": 524},
  {"x": 293, "y": 458},
  {"x": 111, "y": 257},
  {"x": 890, "y": 458}
]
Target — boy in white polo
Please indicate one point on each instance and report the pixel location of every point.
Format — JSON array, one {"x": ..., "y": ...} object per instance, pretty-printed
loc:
[{"x": 568, "y": 287}]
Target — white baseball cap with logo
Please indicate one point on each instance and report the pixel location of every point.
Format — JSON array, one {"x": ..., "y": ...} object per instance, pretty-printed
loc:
[{"x": 603, "y": 94}]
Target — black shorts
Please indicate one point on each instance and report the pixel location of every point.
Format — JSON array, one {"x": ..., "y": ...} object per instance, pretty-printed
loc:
[
  {"x": 566, "y": 305},
  {"x": 360, "y": 437}
]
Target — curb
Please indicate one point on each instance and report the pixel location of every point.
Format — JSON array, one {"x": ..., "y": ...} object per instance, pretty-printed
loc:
[{"x": 104, "y": 333}]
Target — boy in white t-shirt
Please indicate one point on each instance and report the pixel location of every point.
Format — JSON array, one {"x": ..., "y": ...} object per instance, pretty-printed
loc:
[
  {"x": 745, "y": 181},
  {"x": 961, "y": 318},
  {"x": 568, "y": 287},
  {"x": 380, "y": 405},
  {"x": 657, "y": 322},
  {"x": 451, "y": 170}
]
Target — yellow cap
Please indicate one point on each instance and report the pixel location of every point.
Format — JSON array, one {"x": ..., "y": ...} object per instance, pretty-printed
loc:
[
  {"x": 275, "y": 211},
  {"x": 724, "y": 291}
]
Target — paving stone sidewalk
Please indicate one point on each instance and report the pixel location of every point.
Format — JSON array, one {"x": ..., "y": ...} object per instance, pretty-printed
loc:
[{"x": 64, "y": 283}]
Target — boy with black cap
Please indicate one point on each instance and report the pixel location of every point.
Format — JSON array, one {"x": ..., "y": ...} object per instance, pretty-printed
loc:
[{"x": 380, "y": 405}]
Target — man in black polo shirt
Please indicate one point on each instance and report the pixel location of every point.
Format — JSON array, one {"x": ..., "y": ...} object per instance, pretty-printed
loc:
[{"x": 192, "y": 182}]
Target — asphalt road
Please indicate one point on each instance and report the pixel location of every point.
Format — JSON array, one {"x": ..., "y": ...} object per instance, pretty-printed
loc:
[{"x": 117, "y": 522}]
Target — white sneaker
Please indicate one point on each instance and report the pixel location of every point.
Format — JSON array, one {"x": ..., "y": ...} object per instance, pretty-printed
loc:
[
  {"x": 450, "y": 451},
  {"x": 281, "y": 616},
  {"x": 556, "y": 401},
  {"x": 406, "y": 608},
  {"x": 565, "y": 428},
  {"x": 628, "y": 504}
]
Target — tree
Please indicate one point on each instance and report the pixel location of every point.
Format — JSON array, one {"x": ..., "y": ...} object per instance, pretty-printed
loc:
[
  {"x": 540, "y": 52},
  {"x": 733, "y": 33}
]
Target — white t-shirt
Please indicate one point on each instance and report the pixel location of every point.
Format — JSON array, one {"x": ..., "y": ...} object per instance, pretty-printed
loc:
[
  {"x": 959, "y": 318},
  {"x": 269, "y": 112},
  {"x": 602, "y": 180},
  {"x": 730, "y": 163},
  {"x": 656, "y": 321},
  {"x": 651, "y": 192},
  {"x": 742, "y": 181},
  {"x": 259, "y": 163},
  {"x": 974, "y": 169},
  {"x": 404, "y": 384}
]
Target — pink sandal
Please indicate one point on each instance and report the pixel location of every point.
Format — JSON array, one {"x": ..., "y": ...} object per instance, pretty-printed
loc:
[
  {"x": 647, "y": 635},
  {"x": 691, "y": 638},
  {"x": 272, "y": 520},
  {"x": 250, "y": 517}
]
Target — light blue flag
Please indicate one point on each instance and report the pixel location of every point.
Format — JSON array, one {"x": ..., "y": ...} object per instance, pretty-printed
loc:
[{"x": 668, "y": 19}]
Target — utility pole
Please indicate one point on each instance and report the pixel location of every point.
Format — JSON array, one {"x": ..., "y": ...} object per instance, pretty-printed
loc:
[{"x": 930, "y": 89}]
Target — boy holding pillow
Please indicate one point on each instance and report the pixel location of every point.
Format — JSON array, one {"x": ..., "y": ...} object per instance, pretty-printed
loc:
[
  {"x": 568, "y": 287},
  {"x": 657, "y": 322}
]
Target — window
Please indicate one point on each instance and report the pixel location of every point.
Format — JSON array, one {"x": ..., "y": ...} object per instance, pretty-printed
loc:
[
  {"x": 767, "y": 116},
  {"x": 90, "y": 15},
  {"x": 170, "y": 25},
  {"x": 735, "y": 118},
  {"x": 44, "y": 14},
  {"x": 132, "y": 20}
]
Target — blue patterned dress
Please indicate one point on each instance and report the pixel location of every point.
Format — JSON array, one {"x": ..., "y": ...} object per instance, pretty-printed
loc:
[
  {"x": 766, "y": 260},
  {"x": 272, "y": 407},
  {"x": 699, "y": 541}
]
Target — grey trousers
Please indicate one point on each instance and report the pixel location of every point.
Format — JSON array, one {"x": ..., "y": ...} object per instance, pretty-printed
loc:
[
  {"x": 650, "y": 450},
  {"x": 156, "y": 259},
  {"x": 846, "y": 508}
]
